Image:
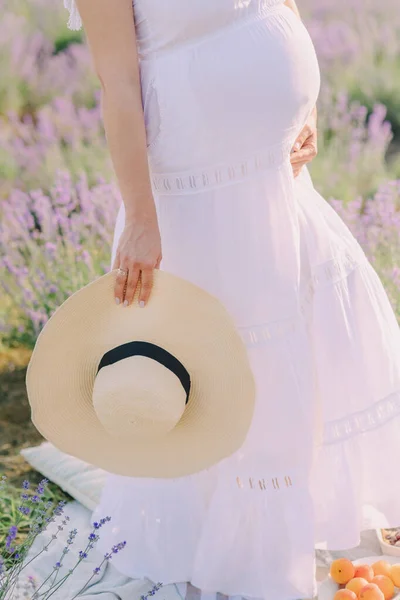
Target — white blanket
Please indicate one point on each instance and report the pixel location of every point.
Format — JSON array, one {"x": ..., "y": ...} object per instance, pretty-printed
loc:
[
  {"x": 108, "y": 585},
  {"x": 112, "y": 585}
]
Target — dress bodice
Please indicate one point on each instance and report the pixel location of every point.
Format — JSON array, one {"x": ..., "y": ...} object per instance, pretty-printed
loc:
[{"x": 163, "y": 25}]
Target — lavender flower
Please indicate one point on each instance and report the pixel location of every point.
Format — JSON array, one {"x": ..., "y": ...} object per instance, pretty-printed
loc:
[
  {"x": 12, "y": 534},
  {"x": 151, "y": 592},
  {"x": 9, "y": 579}
]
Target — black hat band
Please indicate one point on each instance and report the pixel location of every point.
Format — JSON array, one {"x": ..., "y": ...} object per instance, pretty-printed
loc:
[{"x": 149, "y": 350}]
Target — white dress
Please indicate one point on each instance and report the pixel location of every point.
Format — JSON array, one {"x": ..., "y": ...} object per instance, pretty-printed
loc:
[{"x": 227, "y": 87}]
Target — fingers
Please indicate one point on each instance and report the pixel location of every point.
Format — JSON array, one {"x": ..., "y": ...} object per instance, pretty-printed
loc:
[
  {"x": 146, "y": 285},
  {"x": 297, "y": 171},
  {"x": 302, "y": 157},
  {"x": 304, "y": 134},
  {"x": 305, "y": 147},
  {"x": 131, "y": 285},
  {"x": 307, "y": 153},
  {"x": 120, "y": 283},
  {"x": 126, "y": 285}
]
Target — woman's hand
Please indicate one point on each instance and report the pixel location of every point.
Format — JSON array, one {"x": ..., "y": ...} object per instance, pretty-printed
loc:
[
  {"x": 305, "y": 146},
  {"x": 138, "y": 254}
]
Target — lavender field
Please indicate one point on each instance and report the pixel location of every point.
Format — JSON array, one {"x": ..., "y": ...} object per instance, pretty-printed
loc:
[{"x": 58, "y": 198}]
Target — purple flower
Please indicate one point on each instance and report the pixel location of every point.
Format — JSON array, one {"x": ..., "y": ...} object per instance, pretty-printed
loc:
[
  {"x": 118, "y": 547},
  {"x": 41, "y": 487},
  {"x": 12, "y": 532},
  {"x": 25, "y": 510},
  {"x": 102, "y": 522}
]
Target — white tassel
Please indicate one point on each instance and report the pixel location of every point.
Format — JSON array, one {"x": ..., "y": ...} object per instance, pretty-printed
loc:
[{"x": 74, "y": 21}]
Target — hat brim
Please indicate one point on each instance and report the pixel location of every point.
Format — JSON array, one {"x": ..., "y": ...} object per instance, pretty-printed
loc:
[{"x": 180, "y": 317}]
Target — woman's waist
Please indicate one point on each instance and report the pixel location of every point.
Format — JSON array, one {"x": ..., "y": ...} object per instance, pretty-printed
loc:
[
  {"x": 170, "y": 41},
  {"x": 192, "y": 178}
]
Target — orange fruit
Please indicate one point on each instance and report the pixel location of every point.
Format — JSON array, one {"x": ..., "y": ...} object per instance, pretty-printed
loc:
[
  {"x": 395, "y": 574},
  {"x": 371, "y": 592},
  {"x": 356, "y": 584},
  {"x": 345, "y": 595},
  {"x": 385, "y": 584},
  {"x": 365, "y": 571},
  {"x": 342, "y": 570},
  {"x": 381, "y": 567}
]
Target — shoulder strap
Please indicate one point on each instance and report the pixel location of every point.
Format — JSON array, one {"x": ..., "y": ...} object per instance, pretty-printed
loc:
[{"x": 74, "y": 21}]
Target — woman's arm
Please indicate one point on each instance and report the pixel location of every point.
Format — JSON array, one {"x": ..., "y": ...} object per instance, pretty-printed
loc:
[
  {"x": 292, "y": 4},
  {"x": 110, "y": 31}
]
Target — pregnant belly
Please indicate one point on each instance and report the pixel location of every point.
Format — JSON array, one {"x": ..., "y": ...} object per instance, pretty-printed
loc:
[{"x": 244, "y": 89}]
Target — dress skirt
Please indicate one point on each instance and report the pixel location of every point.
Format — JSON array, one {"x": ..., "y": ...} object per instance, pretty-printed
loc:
[{"x": 320, "y": 460}]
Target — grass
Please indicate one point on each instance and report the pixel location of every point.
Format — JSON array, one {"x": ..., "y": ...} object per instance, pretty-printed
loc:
[{"x": 17, "y": 432}]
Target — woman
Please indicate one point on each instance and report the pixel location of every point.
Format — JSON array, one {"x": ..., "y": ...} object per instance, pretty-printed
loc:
[{"x": 209, "y": 112}]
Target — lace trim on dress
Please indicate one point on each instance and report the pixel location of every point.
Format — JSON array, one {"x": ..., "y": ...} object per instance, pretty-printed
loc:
[
  {"x": 341, "y": 430},
  {"x": 383, "y": 410},
  {"x": 380, "y": 413},
  {"x": 327, "y": 273},
  {"x": 74, "y": 22},
  {"x": 220, "y": 175},
  {"x": 264, "y": 483}
]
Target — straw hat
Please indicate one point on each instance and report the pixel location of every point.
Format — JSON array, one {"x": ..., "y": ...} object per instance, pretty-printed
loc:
[{"x": 161, "y": 391}]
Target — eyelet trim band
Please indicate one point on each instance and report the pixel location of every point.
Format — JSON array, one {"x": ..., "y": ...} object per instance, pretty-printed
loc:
[
  {"x": 328, "y": 273},
  {"x": 264, "y": 484},
  {"x": 380, "y": 412},
  {"x": 366, "y": 420},
  {"x": 220, "y": 175}
]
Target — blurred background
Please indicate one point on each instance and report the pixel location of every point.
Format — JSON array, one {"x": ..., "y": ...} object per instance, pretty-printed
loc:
[{"x": 58, "y": 198}]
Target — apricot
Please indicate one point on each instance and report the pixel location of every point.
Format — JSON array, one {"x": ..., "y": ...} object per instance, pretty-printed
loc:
[
  {"x": 371, "y": 592},
  {"x": 381, "y": 567},
  {"x": 356, "y": 584},
  {"x": 385, "y": 584},
  {"x": 395, "y": 574},
  {"x": 342, "y": 570},
  {"x": 364, "y": 571},
  {"x": 345, "y": 595}
]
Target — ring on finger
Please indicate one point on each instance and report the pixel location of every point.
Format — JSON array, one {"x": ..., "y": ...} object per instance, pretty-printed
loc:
[{"x": 122, "y": 272}]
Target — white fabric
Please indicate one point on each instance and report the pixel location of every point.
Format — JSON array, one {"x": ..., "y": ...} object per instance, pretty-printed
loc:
[
  {"x": 112, "y": 585},
  {"x": 227, "y": 86},
  {"x": 109, "y": 584},
  {"x": 76, "y": 477},
  {"x": 74, "y": 21}
]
